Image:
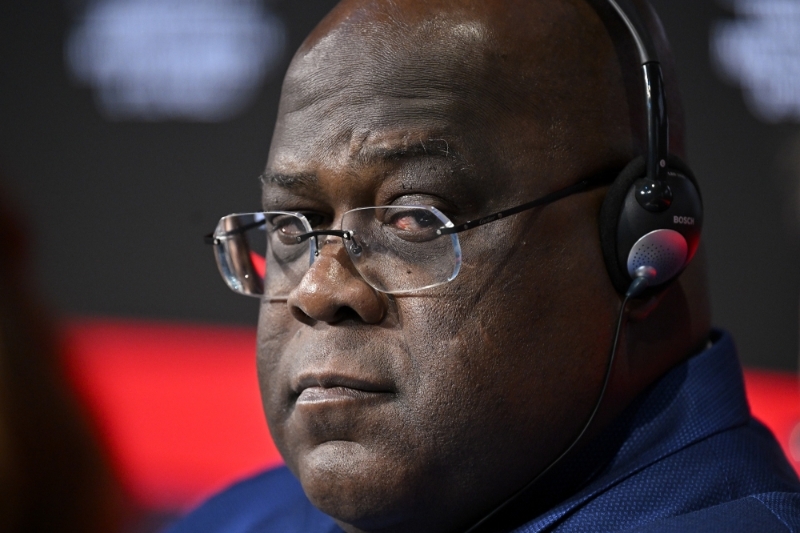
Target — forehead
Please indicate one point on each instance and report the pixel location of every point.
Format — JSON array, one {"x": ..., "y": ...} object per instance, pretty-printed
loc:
[
  {"x": 509, "y": 85},
  {"x": 445, "y": 54},
  {"x": 372, "y": 83}
]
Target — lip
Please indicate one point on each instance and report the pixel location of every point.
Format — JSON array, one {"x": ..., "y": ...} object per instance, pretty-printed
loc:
[{"x": 326, "y": 388}]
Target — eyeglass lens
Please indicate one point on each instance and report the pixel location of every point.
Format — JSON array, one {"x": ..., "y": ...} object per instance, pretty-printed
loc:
[{"x": 395, "y": 249}]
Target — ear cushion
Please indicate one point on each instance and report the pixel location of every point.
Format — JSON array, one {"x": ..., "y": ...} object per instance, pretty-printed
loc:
[{"x": 611, "y": 212}]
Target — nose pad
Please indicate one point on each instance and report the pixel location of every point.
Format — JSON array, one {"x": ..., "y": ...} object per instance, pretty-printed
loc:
[
  {"x": 353, "y": 247},
  {"x": 318, "y": 245}
]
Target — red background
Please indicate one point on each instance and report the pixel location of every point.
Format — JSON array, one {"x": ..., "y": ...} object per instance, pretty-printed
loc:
[{"x": 179, "y": 410}]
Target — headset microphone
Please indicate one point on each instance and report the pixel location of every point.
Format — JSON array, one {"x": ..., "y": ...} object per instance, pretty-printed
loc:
[{"x": 644, "y": 278}]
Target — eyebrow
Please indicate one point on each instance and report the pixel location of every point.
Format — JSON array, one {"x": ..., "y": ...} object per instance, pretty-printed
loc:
[
  {"x": 422, "y": 147},
  {"x": 287, "y": 181},
  {"x": 426, "y": 148}
]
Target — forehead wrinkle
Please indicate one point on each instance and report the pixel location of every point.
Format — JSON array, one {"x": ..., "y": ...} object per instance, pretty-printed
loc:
[{"x": 364, "y": 155}]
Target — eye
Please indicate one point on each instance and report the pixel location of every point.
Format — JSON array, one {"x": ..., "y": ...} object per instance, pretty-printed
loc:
[
  {"x": 285, "y": 224},
  {"x": 316, "y": 220},
  {"x": 412, "y": 225},
  {"x": 414, "y": 220}
]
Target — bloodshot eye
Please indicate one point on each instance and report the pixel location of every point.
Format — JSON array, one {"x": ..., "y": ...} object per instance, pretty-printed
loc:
[
  {"x": 414, "y": 220},
  {"x": 409, "y": 224}
]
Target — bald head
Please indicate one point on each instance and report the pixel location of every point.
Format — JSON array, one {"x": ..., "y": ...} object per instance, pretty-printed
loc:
[
  {"x": 545, "y": 78},
  {"x": 467, "y": 107}
]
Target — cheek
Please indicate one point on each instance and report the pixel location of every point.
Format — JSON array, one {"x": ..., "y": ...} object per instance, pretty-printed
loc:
[
  {"x": 275, "y": 330},
  {"x": 470, "y": 380},
  {"x": 517, "y": 356}
]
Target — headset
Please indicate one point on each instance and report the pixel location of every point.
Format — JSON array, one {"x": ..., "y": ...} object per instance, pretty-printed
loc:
[
  {"x": 650, "y": 220},
  {"x": 652, "y": 216}
]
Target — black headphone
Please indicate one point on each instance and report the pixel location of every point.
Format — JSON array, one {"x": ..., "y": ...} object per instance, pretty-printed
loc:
[{"x": 651, "y": 218}]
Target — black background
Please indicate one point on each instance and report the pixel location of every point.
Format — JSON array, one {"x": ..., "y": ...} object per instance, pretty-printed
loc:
[{"x": 119, "y": 209}]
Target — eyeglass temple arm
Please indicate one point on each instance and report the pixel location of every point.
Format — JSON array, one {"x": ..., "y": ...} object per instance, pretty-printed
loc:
[
  {"x": 581, "y": 186},
  {"x": 212, "y": 239}
]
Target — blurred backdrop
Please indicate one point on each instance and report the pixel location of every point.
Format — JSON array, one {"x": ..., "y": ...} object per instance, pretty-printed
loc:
[{"x": 130, "y": 126}]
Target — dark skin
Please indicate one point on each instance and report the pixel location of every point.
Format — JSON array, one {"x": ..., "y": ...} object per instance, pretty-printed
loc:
[{"x": 422, "y": 412}]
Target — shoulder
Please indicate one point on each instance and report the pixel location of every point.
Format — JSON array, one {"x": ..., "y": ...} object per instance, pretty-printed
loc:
[
  {"x": 272, "y": 501},
  {"x": 692, "y": 458},
  {"x": 737, "y": 480},
  {"x": 732, "y": 464},
  {"x": 777, "y": 512}
]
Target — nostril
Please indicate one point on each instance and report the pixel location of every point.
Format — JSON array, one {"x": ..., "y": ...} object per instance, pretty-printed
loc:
[
  {"x": 340, "y": 314},
  {"x": 301, "y": 316},
  {"x": 345, "y": 313}
]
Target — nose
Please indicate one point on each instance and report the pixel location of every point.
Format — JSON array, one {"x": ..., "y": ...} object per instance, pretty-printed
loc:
[{"x": 332, "y": 290}]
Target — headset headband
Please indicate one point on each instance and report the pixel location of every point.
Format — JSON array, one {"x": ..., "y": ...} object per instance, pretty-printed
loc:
[{"x": 657, "y": 123}]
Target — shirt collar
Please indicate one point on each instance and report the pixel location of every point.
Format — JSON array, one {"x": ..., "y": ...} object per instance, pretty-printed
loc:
[{"x": 702, "y": 396}]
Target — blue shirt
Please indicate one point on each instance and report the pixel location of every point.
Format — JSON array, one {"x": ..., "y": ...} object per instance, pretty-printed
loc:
[{"x": 686, "y": 456}]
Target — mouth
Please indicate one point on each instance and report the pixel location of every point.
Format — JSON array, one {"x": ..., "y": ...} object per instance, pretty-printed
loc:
[{"x": 314, "y": 389}]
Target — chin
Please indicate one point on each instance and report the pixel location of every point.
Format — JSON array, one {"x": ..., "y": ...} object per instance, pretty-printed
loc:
[{"x": 359, "y": 487}]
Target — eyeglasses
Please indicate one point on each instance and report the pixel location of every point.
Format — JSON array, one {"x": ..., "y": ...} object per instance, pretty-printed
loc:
[{"x": 395, "y": 249}]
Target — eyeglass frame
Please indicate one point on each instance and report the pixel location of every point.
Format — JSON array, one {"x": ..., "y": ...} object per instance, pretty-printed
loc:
[{"x": 584, "y": 185}]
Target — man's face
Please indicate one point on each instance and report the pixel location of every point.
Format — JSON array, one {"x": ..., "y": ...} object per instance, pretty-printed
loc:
[{"x": 422, "y": 411}]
